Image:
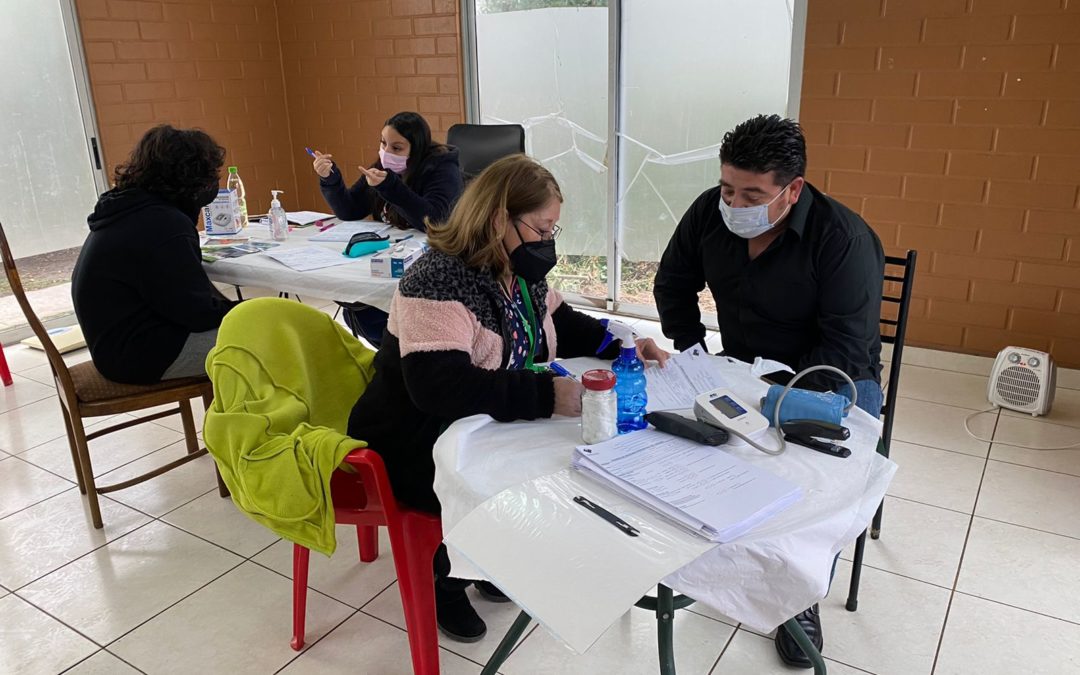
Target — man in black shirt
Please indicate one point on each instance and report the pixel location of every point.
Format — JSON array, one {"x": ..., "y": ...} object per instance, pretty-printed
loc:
[{"x": 796, "y": 276}]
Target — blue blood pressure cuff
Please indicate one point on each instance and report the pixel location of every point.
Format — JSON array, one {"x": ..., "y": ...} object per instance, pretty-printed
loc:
[{"x": 803, "y": 404}]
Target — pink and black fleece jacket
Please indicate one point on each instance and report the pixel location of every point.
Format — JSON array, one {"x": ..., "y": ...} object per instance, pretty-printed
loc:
[{"x": 444, "y": 357}]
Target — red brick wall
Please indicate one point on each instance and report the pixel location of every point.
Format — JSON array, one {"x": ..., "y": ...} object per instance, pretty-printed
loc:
[
  {"x": 199, "y": 63},
  {"x": 267, "y": 77},
  {"x": 350, "y": 66},
  {"x": 953, "y": 126}
]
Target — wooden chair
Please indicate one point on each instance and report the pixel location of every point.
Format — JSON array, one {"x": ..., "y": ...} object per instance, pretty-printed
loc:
[{"x": 84, "y": 392}]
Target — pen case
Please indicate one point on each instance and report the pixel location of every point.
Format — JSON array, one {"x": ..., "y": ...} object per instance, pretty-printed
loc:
[
  {"x": 366, "y": 248},
  {"x": 365, "y": 243}
]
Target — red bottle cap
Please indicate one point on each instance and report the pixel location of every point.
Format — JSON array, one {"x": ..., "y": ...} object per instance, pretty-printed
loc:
[{"x": 598, "y": 380}]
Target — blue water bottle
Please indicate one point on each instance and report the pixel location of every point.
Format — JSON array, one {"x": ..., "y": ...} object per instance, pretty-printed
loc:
[{"x": 630, "y": 379}]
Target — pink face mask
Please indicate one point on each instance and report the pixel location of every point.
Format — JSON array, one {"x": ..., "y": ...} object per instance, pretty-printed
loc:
[{"x": 392, "y": 162}]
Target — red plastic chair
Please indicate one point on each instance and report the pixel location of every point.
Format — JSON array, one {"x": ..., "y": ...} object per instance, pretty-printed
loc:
[
  {"x": 364, "y": 499},
  {"x": 5, "y": 372}
]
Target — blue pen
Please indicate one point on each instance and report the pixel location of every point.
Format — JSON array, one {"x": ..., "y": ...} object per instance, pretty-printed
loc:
[
  {"x": 312, "y": 153},
  {"x": 559, "y": 370}
]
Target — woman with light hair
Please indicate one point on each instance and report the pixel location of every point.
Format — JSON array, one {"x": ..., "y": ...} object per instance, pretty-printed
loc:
[{"x": 469, "y": 325}]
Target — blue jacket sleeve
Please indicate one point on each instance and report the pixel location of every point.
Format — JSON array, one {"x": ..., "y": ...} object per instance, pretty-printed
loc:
[
  {"x": 347, "y": 203},
  {"x": 434, "y": 200}
]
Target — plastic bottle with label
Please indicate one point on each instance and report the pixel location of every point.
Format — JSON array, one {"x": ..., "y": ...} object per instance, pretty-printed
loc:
[{"x": 234, "y": 183}]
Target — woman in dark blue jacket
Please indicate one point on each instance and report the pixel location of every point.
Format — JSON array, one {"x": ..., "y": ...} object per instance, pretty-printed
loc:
[{"x": 415, "y": 180}]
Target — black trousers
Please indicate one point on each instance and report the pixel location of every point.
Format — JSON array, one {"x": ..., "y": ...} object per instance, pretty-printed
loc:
[
  {"x": 365, "y": 321},
  {"x": 447, "y": 588}
]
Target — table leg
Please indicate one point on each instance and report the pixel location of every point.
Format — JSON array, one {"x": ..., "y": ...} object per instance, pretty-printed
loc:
[
  {"x": 665, "y": 619},
  {"x": 502, "y": 652},
  {"x": 808, "y": 647}
]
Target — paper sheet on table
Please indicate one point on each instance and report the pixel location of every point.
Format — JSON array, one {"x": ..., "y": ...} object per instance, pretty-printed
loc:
[
  {"x": 306, "y": 217},
  {"x": 309, "y": 258},
  {"x": 570, "y": 549},
  {"x": 344, "y": 231},
  {"x": 683, "y": 377}
]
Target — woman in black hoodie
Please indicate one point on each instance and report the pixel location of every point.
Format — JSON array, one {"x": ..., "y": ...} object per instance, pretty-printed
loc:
[
  {"x": 415, "y": 181},
  {"x": 144, "y": 303}
]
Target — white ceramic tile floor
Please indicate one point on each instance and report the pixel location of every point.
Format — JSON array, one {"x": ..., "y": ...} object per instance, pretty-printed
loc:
[
  {"x": 102, "y": 663},
  {"x": 165, "y": 586},
  {"x": 107, "y": 452}
]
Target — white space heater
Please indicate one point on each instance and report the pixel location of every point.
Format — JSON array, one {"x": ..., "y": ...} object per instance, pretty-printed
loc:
[{"x": 1023, "y": 380}]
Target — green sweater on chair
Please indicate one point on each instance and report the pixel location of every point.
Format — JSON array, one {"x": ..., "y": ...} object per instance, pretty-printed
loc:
[{"x": 285, "y": 379}]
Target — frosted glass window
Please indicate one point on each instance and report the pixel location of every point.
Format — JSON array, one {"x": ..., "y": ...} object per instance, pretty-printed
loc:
[
  {"x": 46, "y": 184},
  {"x": 546, "y": 69},
  {"x": 691, "y": 71}
]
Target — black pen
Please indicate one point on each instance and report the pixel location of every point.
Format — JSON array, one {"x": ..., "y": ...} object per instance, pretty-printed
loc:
[{"x": 606, "y": 515}]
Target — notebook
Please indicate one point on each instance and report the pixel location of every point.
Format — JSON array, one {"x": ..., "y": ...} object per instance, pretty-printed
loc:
[
  {"x": 66, "y": 339},
  {"x": 712, "y": 493}
]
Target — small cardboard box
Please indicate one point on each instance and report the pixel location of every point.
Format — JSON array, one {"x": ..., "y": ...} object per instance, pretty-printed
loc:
[
  {"x": 392, "y": 263},
  {"x": 222, "y": 216}
]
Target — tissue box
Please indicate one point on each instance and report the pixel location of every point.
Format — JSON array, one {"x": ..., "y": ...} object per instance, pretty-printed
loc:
[
  {"x": 392, "y": 263},
  {"x": 222, "y": 216}
]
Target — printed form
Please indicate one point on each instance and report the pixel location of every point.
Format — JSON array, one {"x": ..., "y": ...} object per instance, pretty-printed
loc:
[
  {"x": 308, "y": 258},
  {"x": 683, "y": 377}
]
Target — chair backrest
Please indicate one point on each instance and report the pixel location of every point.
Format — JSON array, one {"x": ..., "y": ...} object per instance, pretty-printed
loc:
[
  {"x": 896, "y": 301},
  {"x": 481, "y": 144},
  {"x": 268, "y": 344},
  {"x": 56, "y": 361}
]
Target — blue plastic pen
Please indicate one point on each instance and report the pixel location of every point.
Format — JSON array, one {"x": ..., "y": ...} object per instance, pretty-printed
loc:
[
  {"x": 559, "y": 370},
  {"x": 312, "y": 153}
]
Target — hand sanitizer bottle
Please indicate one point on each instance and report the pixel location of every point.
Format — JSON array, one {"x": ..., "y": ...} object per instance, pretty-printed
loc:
[{"x": 279, "y": 224}]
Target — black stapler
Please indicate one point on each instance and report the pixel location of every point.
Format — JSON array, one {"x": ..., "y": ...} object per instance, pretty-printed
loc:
[{"x": 807, "y": 432}]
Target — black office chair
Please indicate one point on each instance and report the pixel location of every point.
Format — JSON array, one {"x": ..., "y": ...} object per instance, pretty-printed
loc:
[
  {"x": 893, "y": 331},
  {"x": 481, "y": 144}
]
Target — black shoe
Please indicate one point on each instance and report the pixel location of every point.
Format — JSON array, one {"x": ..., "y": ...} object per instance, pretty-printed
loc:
[
  {"x": 789, "y": 650},
  {"x": 490, "y": 592},
  {"x": 458, "y": 620}
]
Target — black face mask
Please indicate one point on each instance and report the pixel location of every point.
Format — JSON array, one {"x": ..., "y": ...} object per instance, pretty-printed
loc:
[
  {"x": 532, "y": 260},
  {"x": 206, "y": 196},
  {"x": 194, "y": 205}
]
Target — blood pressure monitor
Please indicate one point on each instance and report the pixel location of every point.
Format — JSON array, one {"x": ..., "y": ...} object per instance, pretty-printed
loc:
[{"x": 722, "y": 408}]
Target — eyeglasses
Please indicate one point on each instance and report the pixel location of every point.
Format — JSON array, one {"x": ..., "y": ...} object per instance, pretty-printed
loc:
[{"x": 544, "y": 236}]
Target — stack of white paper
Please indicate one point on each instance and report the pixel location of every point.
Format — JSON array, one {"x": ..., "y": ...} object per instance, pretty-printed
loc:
[
  {"x": 705, "y": 489},
  {"x": 302, "y": 218}
]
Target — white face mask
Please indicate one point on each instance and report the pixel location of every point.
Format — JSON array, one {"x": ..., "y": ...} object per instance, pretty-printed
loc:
[{"x": 750, "y": 221}]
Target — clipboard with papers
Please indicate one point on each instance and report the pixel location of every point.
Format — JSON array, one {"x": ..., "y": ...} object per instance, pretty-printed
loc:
[{"x": 706, "y": 490}]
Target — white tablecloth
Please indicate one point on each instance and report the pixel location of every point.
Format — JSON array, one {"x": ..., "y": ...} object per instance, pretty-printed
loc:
[
  {"x": 346, "y": 283},
  {"x": 761, "y": 579}
]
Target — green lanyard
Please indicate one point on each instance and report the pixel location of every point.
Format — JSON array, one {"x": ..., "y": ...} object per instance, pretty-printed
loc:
[{"x": 530, "y": 327}]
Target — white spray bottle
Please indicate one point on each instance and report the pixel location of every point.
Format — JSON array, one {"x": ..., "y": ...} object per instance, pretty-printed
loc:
[{"x": 279, "y": 222}]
